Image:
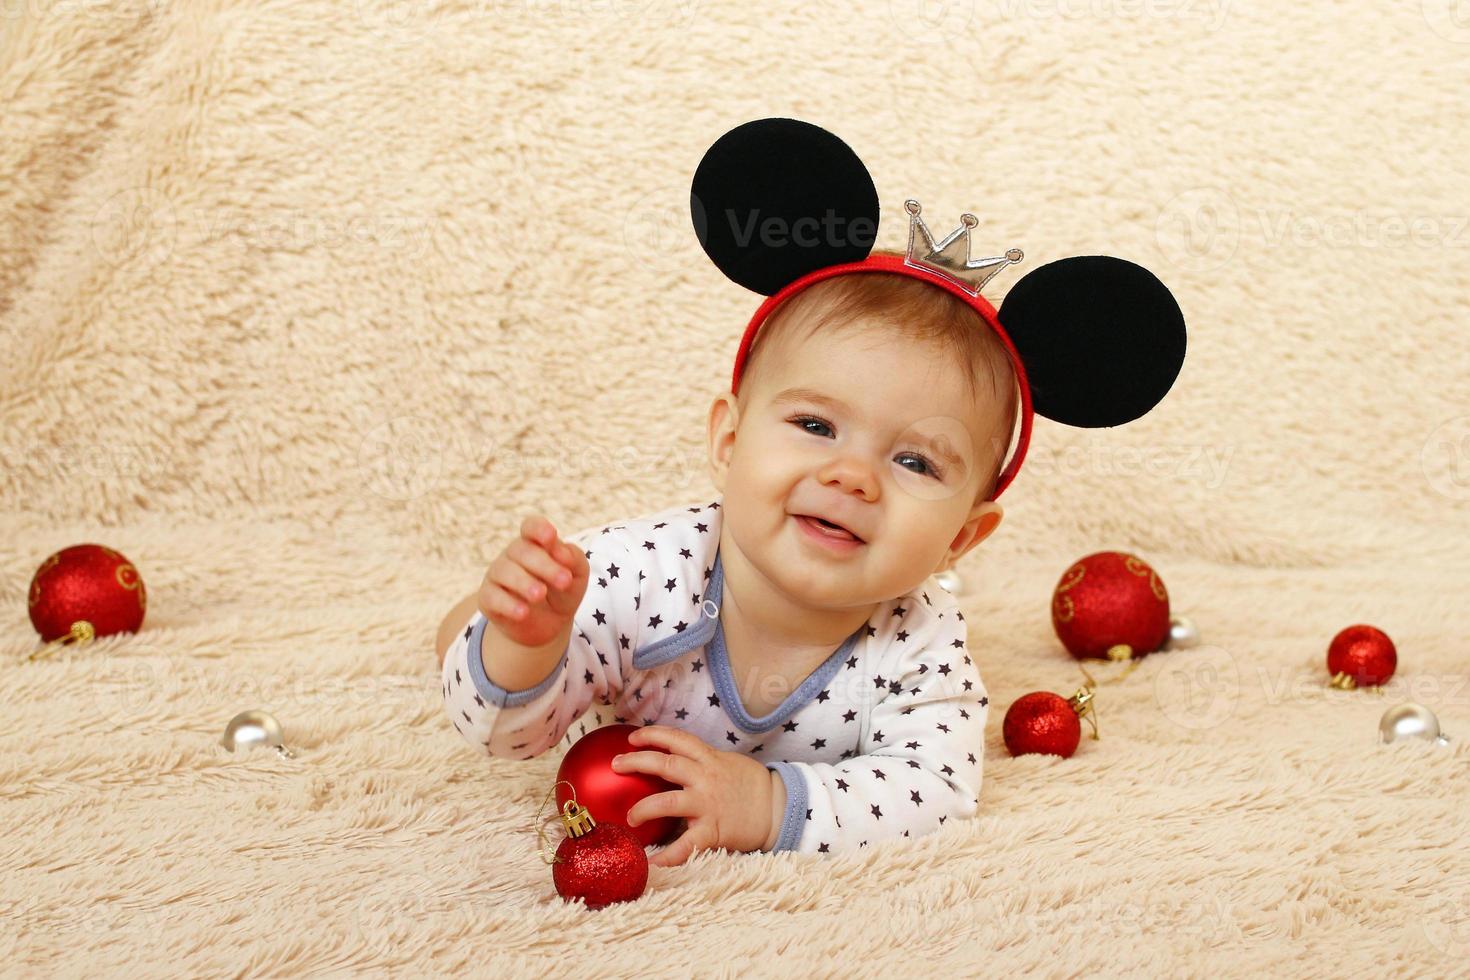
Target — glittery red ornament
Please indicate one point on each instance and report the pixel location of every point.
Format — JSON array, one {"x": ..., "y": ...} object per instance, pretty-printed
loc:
[
  {"x": 587, "y": 766},
  {"x": 86, "y": 583},
  {"x": 600, "y": 863},
  {"x": 1361, "y": 656},
  {"x": 1046, "y": 723},
  {"x": 1110, "y": 605}
]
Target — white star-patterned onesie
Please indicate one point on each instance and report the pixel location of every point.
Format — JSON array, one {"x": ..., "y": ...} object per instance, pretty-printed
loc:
[{"x": 884, "y": 739}]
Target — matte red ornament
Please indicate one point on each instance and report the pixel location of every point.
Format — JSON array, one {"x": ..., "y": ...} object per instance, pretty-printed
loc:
[
  {"x": 1361, "y": 656},
  {"x": 86, "y": 583},
  {"x": 1046, "y": 723},
  {"x": 600, "y": 863},
  {"x": 587, "y": 766},
  {"x": 1110, "y": 605}
]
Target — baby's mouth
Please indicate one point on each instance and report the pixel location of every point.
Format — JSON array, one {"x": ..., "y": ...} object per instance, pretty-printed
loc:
[{"x": 828, "y": 528}]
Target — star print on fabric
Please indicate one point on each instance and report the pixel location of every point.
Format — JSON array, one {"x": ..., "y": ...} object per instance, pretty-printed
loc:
[
  {"x": 648, "y": 545},
  {"x": 871, "y": 629},
  {"x": 902, "y": 636},
  {"x": 877, "y": 813},
  {"x": 696, "y": 666},
  {"x": 685, "y": 553},
  {"x": 790, "y": 726},
  {"x": 669, "y": 585},
  {"x": 655, "y": 619},
  {"x": 600, "y": 616},
  {"x": 681, "y": 714},
  {"x": 612, "y": 571},
  {"x": 730, "y": 737},
  {"x": 819, "y": 743},
  {"x": 714, "y": 700},
  {"x": 849, "y": 715},
  {"x": 823, "y": 696}
]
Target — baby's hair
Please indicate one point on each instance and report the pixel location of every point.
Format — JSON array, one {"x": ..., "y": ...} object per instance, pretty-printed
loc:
[{"x": 916, "y": 311}]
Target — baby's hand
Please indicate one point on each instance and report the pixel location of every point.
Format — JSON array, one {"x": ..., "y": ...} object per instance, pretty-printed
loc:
[
  {"x": 534, "y": 586},
  {"x": 726, "y": 796}
]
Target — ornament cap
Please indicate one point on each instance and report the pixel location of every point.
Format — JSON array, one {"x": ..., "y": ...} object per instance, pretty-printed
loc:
[
  {"x": 576, "y": 818},
  {"x": 1343, "y": 681},
  {"x": 1082, "y": 703}
]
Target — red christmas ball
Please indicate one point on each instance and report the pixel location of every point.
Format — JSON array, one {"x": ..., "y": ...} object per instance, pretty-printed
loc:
[
  {"x": 86, "y": 583},
  {"x": 587, "y": 766},
  {"x": 1109, "y": 600},
  {"x": 1042, "y": 722},
  {"x": 1361, "y": 655},
  {"x": 604, "y": 865}
]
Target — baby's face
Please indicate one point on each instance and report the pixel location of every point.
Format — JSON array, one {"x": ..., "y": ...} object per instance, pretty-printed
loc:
[{"x": 870, "y": 430}]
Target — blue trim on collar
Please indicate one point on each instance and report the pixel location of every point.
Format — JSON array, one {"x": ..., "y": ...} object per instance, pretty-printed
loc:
[
  {"x": 724, "y": 679},
  {"x": 793, "y": 823},
  {"x": 704, "y": 629},
  {"x": 493, "y": 692}
]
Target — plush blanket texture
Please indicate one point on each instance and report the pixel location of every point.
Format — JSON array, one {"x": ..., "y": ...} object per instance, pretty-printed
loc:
[{"x": 305, "y": 305}]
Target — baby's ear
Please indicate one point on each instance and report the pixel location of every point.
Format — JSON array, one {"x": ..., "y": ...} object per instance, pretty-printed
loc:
[{"x": 724, "y": 414}]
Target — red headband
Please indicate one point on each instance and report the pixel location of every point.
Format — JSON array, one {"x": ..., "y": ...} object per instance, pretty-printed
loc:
[{"x": 896, "y": 264}]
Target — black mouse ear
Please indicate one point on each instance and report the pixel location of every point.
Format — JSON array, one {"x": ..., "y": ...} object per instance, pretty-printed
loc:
[
  {"x": 774, "y": 199},
  {"x": 1102, "y": 339}
]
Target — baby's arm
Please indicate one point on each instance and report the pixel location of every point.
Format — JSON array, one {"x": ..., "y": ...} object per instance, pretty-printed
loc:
[
  {"x": 921, "y": 764},
  {"x": 524, "y": 721}
]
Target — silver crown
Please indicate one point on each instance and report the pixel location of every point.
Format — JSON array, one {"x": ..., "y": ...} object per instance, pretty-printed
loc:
[{"x": 951, "y": 257}]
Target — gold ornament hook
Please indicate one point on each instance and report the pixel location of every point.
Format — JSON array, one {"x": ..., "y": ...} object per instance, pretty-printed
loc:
[
  {"x": 1086, "y": 707},
  {"x": 81, "y": 633},
  {"x": 572, "y": 809}
]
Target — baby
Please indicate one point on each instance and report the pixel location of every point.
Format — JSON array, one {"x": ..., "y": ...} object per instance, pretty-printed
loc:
[{"x": 794, "y": 668}]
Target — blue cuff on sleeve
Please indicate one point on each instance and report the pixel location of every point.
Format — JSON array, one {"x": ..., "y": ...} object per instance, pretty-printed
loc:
[
  {"x": 794, "y": 822},
  {"x": 493, "y": 692}
]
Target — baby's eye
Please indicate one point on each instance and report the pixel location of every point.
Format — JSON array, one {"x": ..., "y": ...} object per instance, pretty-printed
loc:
[
  {"x": 804, "y": 421},
  {"x": 928, "y": 467}
]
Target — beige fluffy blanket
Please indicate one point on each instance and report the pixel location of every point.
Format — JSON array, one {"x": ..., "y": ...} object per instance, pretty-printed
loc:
[{"x": 305, "y": 305}]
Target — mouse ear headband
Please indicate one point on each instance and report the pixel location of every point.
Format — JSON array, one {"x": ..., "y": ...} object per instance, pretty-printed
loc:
[{"x": 779, "y": 204}]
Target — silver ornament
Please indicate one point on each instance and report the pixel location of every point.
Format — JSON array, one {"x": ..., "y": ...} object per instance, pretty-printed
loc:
[
  {"x": 949, "y": 580},
  {"x": 1183, "y": 634},
  {"x": 251, "y": 728},
  {"x": 1409, "y": 720}
]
